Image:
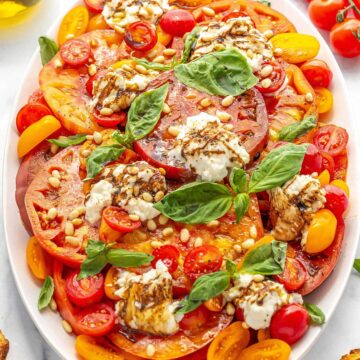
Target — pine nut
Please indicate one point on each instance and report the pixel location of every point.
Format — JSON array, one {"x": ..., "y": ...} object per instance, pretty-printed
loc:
[
  {"x": 309, "y": 97},
  {"x": 54, "y": 182},
  {"x": 258, "y": 277},
  {"x": 70, "y": 36},
  {"x": 141, "y": 69},
  {"x": 85, "y": 153},
  {"x": 69, "y": 228},
  {"x": 173, "y": 131},
  {"x": 219, "y": 47},
  {"x": 74, "y": 214},
  {"x": 156, "y": 244},
  {"x": 58, "y": 64},
  {"x": 213, "y": 223},
  {"x": 250, "y": 53},
  {"x": 67, "y": 327},
  {"x": 133, "y": 170},
  {"x": 168, "y": 231},
  {"x": 223, "y": 116},
  {"x": 191, "y": 96},
  {"x": 227, "y": 101},
  {"x": 134, "y": 217},
  {"x": 89, "y": 137},
  {"x": 206, "y": 102},
  {"x": 268, "y": 34},
  {"x": 92, "y": 70},
  {"x": 98, "y": 137},
  {"x": 163, "y": 220},
  {"x": 126, "y": 67},
  {"x": 151, "y": 225},
  {"x": 54, "y": 149},
  {"x": 266, "y": 71},
  {"x": 237, "y": 248},
  {"x": 266, "y": 83},
  {"x": 72, "y": 240},
  {"x": 162, "y": 171},
  {"x": 208, "y": 11},
  {"x": 159, "y": 195},
  {"x": 278, "y": 52},
  {"x": 53, "y": 305},
  {"x": 94, "y": 43},
  {"x": 159, "y": 59},
  {"x": 230, "y": 309},
  {"x": 56, "y": 174},
  {"x": 147, "y": 197},
  {"x": 229, "y": 127},
  {"x": 184, "y": 235},
  {"x": 77, "y": 222},
  {"x": 166, "y": 109},
  {"x": 52, "y": 214},
  {"x": 81, "y": 210},
  {"x": 169, "y": 52},
  {"x": 198, "y": 242},
  {"x": 247, "y": 244},
  {"x": 150, "y": 350},
  {"x": 253, "y": 232}
]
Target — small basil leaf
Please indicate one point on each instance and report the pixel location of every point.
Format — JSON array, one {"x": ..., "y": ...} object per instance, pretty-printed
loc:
[
  {"x": 221, "y": 73},
  {"x": 46, "y": 293},
  {"x": 196, "y": 203},
  {"x": 92, "y": 266},
  {"x": 279, "y": 166},
  {"x": 94, "y": 248},
  {"x": 190, "y": 43},
  {"x": 101, "y": 156},
  {"x": 122, "y": 139},
  {"x": 357, "y": 265},
  {"x": 64, "y": 142},
  {"x": 293, "y": 131},
  {"x": 48, "y": 49},
  {"x": 152, "y": 65},
  {"x": 187, "y": 306},
  {"x": 231, "y": 267},
  {"x": 241, "y": 205},
  {"x": 263, "y": 260},
  {"x": 145, "y": 112},
  {"x": 238, "y": 180},
  {"x": 316, "y": 315},
  {"x": 124, "y": 258}
]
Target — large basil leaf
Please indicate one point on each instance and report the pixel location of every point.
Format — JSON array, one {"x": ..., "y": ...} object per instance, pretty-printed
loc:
[
  {"x": 101, "y": 156},
  {"x": 124, "y": 258},
  {"x": 190, "y": 43},
  {"x": 268, "y": 259},
  {"x": 237, "y": 179},
  {"x": 279, "y": 166},
  {"x": 46, "y": 293},
  {"x": 293, "y": 131},
  {"x": 221, "y": 73},
  {"x": 145, "y": 112},
  {"x": 241, "y": 205},
  {"x": 92, "y": 266},
  {"x": 152, "y": 65},
  {"x": 94, "y": 248},
  {"x": 48, "y": 49},
  {"x": 64, "y": 142},
  {"x": 316, "y": 315},
  {"x": 196, "y": 203}
]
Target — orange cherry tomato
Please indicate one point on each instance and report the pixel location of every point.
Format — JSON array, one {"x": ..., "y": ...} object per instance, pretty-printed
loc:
[
  {"x": 324, "y": 100},
  {"x": 36, "y": 133},
  {"x": 97, "y": 22},
  {"x": 74, "y": 23},
  {"x": 37, "y": 259},
  {"x": 229, "y": 343},
  {"x": 110, "y": 281},
  {"x": 270, "y": 349},
  {"x": 29, "y": 114}
]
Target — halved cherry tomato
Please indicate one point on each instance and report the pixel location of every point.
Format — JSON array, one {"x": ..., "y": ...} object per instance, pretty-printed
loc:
[
  {"x": 110, "y": 280},
  {"x": 37, "y": 260},
  {"x": 312, "y": 161},
  {"x": 290, "y": 323},
  {"x": 195, "y": 319},
  {"x": 86, "y": 291},
  {"x": 328, "y": 163},
  {"x": 75, "y": 52},
  {"x": 177, "y": 22},
  {"x": 324, "y": 100},
  {"x": 294, "y": 275},
  {"x": 234, "y": 15},
  {"x": 95, "y": 6},
  {"x": 110, "y": 121},
  {"x": 331, "y": 139},
  {"x": 324, "y": 177},
  {"x": 336, "y": 200},
  {"x": 29, "y": 114},
  {"x": 119, "y": 219},
  {"x": 202, "y": 260},
  {"x": 37, "y": 97},
  {"x": 140, "y": 36},
  {"x": 317, "y": 73},
  {"x": 229, "y": 343},
  {"x": 169, "y": 255},
  {"x": 97, "y": 22},
  {"x": 270, "y": 349},
  {"x": 323, "y": 12},
  {"x": 277, "y": 77}
]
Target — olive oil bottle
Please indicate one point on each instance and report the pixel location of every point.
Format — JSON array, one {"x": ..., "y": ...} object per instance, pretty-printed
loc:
[{"x": 12, "y": 10}]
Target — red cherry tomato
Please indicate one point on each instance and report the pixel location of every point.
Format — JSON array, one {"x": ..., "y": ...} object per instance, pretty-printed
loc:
[
  {"x": 328, "y": 164},
  {"x": 312, "y": 161},
  {"x": 110, "y": 121},
  {"x": 317, "y": 73},
  {"x": 277, "y": 77},
  {"x": 177, "y": 22},
  {"x": 345, "y": 39},
  {"x": 239, "y": 314},
  {"x": 97, "y": 320},
  {"x": 336, "y": 200},
  {"x": 202, "y": 260},
  {"x": 331, "y": 139},
  {"x": 195, "y": 320},
  {"x": 75, "y": 52},
  {"x": 323, "y": 12},
  {"x": 294, "y": 275},
  {"x": 86, "y": 291},
  {"x": 95, "y": 6},
  {"x": 90, "y": 83},
  {"x": 30, "y": 114},
  {"x": 37, "y": 97},
  {"x": 290, "y": 323},
  {"x": 140, "y": 36},
  {"x": 234, "y": 15},
  {"x": 169, "y": 255},
  {"x": 119, "y": 219}
]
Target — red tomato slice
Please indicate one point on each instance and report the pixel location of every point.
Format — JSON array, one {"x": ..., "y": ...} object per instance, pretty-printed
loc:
[
  {"x": 328, "y": 164},
  {"x": 169, "y": 255},
  {"x": 177, "y": 22},
  {"x": 331, "y": 139},
  {"x": 277, "y": 77},
  {"x": 95, "y": 6},
  {"x": 86, "y": 291},
  {"x": 110, "y": 121},
  {"x": 75, "y": 52},
  {"x": 140, "y": 36},
  {"x": 202, "y": 260},
  {"x": 312, "y": 161},
  {"x": 119, "y": 220},
  {"x": 317, "y": 73},
  {"x": 37, "y": 97},
  {"x": 293, "y": 276},
  {"x": 195, "y": 319},
  {"x": 30, "y": 114}
]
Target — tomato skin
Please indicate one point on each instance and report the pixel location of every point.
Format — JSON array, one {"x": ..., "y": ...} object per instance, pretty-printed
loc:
[
  {"x": 195, "y": 319},
  {"x": 169, "y": 255},
  {"x": 110, "y": 121},
  {"x": 269, "y": 349},
  {"x": 317, "y": 73},
  {"x": 336, "y": 200},
  {"x": 312, "y": 161},
  {"x": 29, "y": 114},
  {"x": 343, "y": 38},
  {"x": 323, "y": 12},
  {"x": 95, "y": 6},
  {"x": 328, "y": 163},
  {"x": 277, "y": 78},
  {"x": 119, "y": 220},
  {"x": 177, "y": 22},
  {"x": 293, "y": 276},
  {"x": 75, "y": 52},
  {"x": 331, "y": 139},
  {"x": 140, "y": 36},
  {"x": 290, "y": 323}
]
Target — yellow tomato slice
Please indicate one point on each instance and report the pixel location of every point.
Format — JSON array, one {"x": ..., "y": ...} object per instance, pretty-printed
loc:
[
  {"x": 97, "y": 22},
  {"x": 37, "y": 260},
  {"x": 36, "y": 133},
  {"x": 110, "y": 280},
  {"x": 324, "y": 100},
  {"x": 74, "y": 23},
  {"x": 342, "y": 185},
  {"x": 271, "y": 349}
]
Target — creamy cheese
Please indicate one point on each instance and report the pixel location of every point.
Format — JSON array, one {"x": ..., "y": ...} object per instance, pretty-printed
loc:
[
  {"x": 208, "y": 148},
  {"x": 145, "y": 210},
  {"x": 100, "y": 197},
  {"x": 239, "y": 33}
]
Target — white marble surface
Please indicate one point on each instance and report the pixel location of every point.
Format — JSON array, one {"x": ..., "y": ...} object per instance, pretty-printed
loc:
[{"x": 16, "y": 46}]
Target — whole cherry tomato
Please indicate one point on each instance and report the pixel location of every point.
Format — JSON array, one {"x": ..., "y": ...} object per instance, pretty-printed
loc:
[
  {"x": 140, "y": 36},
  {"x": 75, "y": 52},
  {"x": 177, "y": 22},
  {"x": 119, "y": 220},
  {"x": 336, "y": 200},
  {"x": 345, "y": 38},
  {"x": 312, "y": 161},
  {"x": 331, "y": 139},
  {"x": 169, "y": 255},
  {"x": 323, "y": 12},
  {"x": 317, "y": 73},
  {"x": 290, "y": 323},
  {"x": 294, "y": 275}
]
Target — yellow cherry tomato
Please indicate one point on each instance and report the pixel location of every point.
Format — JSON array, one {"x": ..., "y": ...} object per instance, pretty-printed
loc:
[
  {"x": 74, "y": 24},
  {"x": 163, "y": 37},
  {"x": 296, "y": 48},
  {"x": 342, "y": 185},
  {"x": 270, "y": 349},
  {"x": 324, "y": 100},
  {"x": 36, "y": 133},
  {"x": 97, "y": 22},
  {"x": 321, "y": 232},
  {"x": 324, "y": 177},
  {"x": 37, "y": 259},
  {"x": 121, "y": 63},
  {"x": 110, "y": 281}
]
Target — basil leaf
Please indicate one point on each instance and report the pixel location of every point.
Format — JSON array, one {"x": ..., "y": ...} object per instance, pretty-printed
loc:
[
  {"x": 122, "y": 139},
  {"x": 48, "y": 49},
  {"x": 64, "y": 142},
  {"x": 101, "y": 156},
  {"x": 238, "y": 180},
  {"x": 357, "y": 265},
  {"x": 316, "y": 315},
  {"x": 231, "y": 267},
  {"x": 264, "y": 2},
  {"x": 241, "y": 205},
  {"x": 187, "y": 306},
  {"x": 94, "y": 248},
  {"x": 124, "y": 258},
  {"x": 196, "y": 203},
  {"x": 293, "y": 131},
  {"x": 190, "y": 43},
  {"x": 221, "y": 73},
  {"x": 152, "y": 65},
  {"x": 268, "y": 259},
  {"x": 145, "y": 112},
  {"x": 279, "y": 166},
  {"x": 92, "y": 266},
  {"x": 46, "y": 293}
]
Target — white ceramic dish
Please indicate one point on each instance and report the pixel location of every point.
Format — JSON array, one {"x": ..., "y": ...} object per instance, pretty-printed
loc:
[{"x": 327, "y": 296}]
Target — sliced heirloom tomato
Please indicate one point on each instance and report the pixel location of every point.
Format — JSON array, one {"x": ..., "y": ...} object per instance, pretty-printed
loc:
[
  {"x": 140, "y": 36},
  {"x": 267, "y": 350},
  {"x": 29, "y": 114}
]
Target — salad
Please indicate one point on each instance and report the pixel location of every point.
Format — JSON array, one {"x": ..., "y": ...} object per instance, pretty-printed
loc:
[{"x": 181, "y": 191}]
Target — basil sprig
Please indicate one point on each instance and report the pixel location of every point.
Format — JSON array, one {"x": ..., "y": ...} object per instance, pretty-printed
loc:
[
  {"x": 267, "y": 259},
  {"x": 223, "y": 73},
  {"x": 46, "y": 293},
  {"x": 293, "y": 131},
  {"x": 48, "y": 49},
  {"x": 64, "y": 142},
  {"x": 189, "y": 45},
  {"x": 100, "y": 254},
  {"x": 316, "y": 315}
]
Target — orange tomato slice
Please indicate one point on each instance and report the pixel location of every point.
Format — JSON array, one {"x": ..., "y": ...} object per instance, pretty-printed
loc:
[
  {"x": 37, "y": 260},
  {"x": 110, "y": 280},
  {"x": 271, "y": 349}
]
